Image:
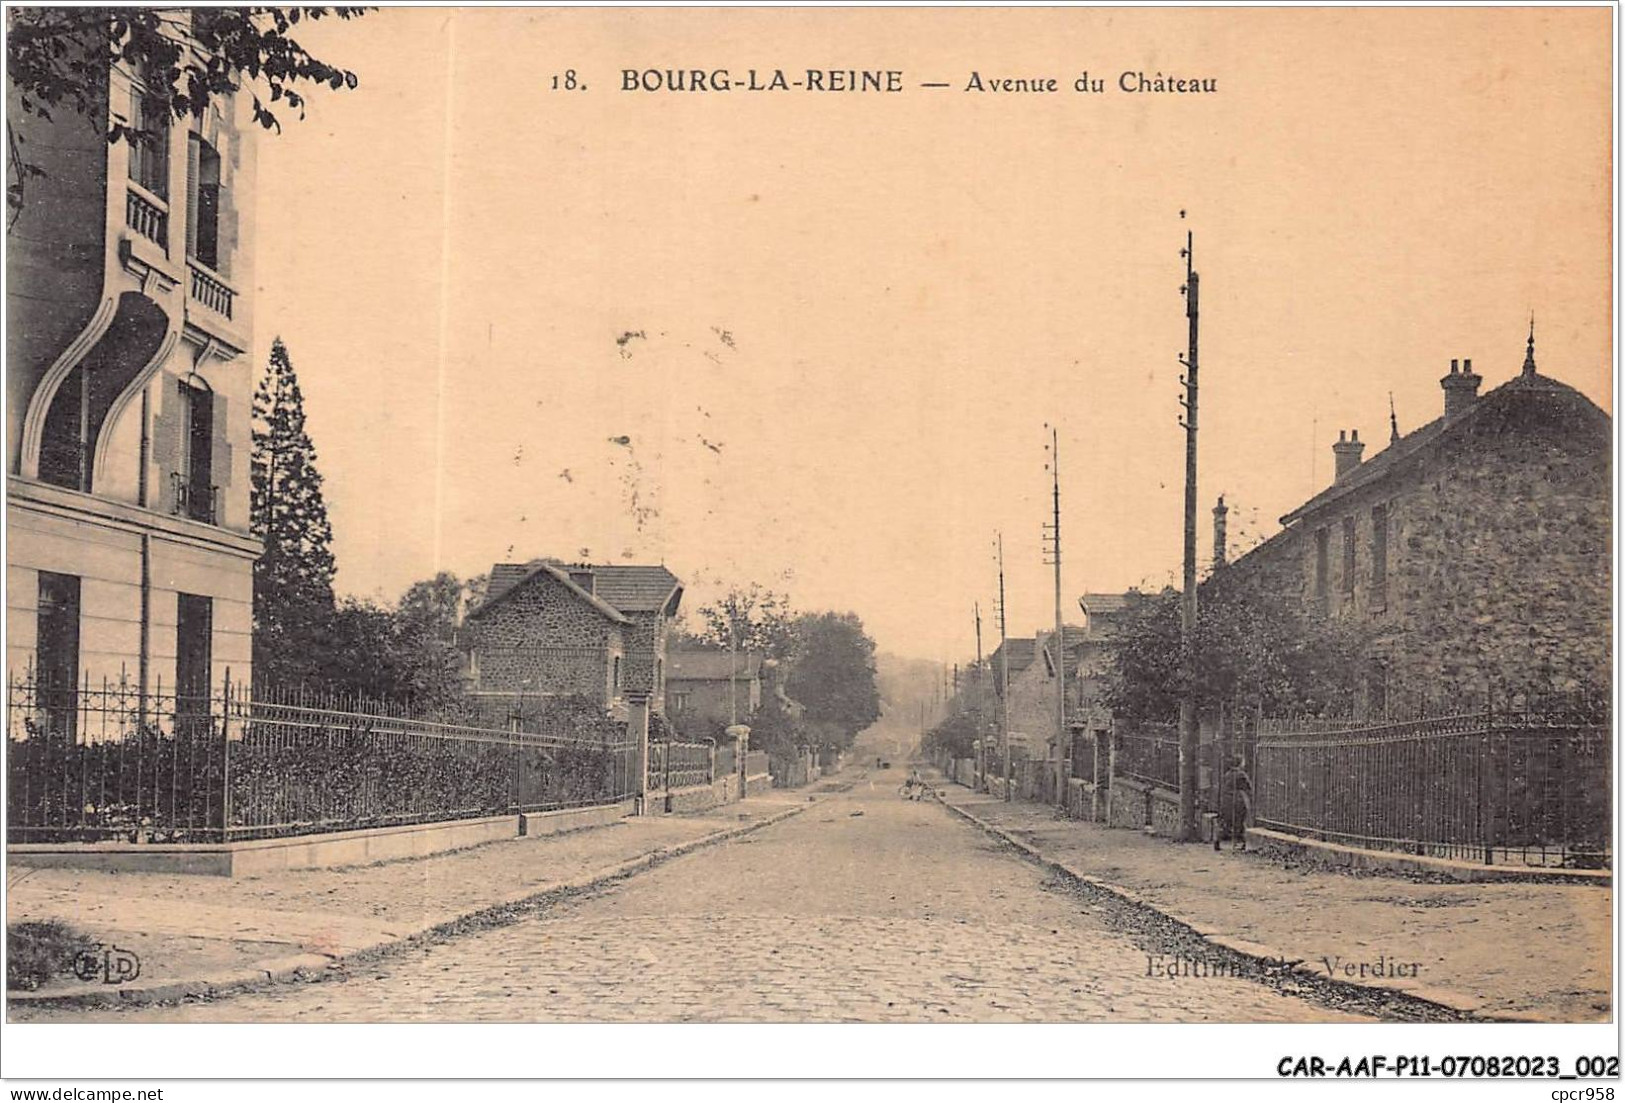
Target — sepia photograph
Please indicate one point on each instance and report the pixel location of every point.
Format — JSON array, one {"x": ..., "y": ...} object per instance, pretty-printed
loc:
[{"x": 1087, "y": 516}]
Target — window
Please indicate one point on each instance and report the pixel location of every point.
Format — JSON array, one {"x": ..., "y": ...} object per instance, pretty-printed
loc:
[
  {"x": 679, "y": 702},
  {"x": 615, "y": 678},
  {"x": 194, "y": 633},
  {"x": 1322, "y": 562},
  {"x": 1379, "y": 557},
  {"x": 57, "y": 647},
  {"x": 149, "y": 154},
  {"x": 203, "y": 202},
  {"x": 194, "y": 481},
  {"x": 1348, "y": 556}
]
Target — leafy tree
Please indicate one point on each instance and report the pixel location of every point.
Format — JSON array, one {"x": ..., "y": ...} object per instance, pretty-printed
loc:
[
  {"x": 361, "y": 653},
  {"x": 59, "y": 58},
  {"x": 1254, "y": 647},
  {"x": 293, "y": 577},
  {"x": 832, "y": 674},
  {"x": 956, "y": 735},
  {"x": 426, "y": 621},
  {"x": 750, "y": 619}
]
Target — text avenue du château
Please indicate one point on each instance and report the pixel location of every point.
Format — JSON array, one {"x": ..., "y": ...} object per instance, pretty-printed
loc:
[{"x": 892, "y": 80}]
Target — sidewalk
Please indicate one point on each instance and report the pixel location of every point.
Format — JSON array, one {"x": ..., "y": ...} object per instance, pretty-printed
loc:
[
  {"x": 194, "y": 934},
  {"x": 1503, "y": 950}
]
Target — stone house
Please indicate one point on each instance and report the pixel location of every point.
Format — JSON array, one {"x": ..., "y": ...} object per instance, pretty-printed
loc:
[
  {"x": 128, "y": 390},
  {"x": 552, "y": 629},
  {"x": 1471, "y": 553},
  {"x": 705, "y": 688},
  {"x": 1031, "y": 697}
]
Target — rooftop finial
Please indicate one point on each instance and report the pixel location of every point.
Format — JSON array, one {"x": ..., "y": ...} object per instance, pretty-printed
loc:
[
  {"x": 1529, "y": 356},
  {"x": 1393, "y": 420}
]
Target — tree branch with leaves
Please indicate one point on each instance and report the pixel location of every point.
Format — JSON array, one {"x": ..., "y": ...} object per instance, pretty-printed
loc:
[{"x": 183, "y": 59}]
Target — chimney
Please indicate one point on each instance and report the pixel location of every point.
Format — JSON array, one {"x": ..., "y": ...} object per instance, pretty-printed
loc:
[
  {"x": 1347, "y": 451},
  {"x": 1460, "y": 390},
  {"x": 582, "y": 576},
  {"x": 1220, "y": 513}
]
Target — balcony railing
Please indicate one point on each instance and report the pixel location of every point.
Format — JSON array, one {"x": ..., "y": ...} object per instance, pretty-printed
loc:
[
  {"x": 194, "y": 500},
  {"x": 210, "y": 290},
  {"x": 147, "y": 216}
]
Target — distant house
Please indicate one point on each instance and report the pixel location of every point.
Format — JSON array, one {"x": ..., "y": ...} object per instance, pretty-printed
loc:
[
  {"x": 707, "y": 688},
  {"x": 1102, "y": 613},
  {"x": 548, "y": 628},
  {"x": 1031, "y": 700},
  {"x": 1474, "y": 551}
]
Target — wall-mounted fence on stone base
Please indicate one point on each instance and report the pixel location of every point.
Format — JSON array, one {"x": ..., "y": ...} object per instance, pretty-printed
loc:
[
  {"x": 1529, "y": 783},
  {"x": 115, "y": 764}
]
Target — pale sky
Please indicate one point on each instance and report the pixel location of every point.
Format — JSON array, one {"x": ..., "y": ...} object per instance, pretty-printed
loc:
[{"x": 856, "y": 312}]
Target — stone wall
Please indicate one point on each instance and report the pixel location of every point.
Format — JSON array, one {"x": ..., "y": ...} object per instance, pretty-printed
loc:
[
  {"x": 1498, "y": 557},
  {"x": 544, "y": 639}
]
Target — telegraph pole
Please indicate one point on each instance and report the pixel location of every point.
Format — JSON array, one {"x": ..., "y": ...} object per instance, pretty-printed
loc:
[
  {"x": 977, "y": 688},
  {"x": 1004, "y": 677},
  {"x": 1187, "y": 603},
  {"x": 1058, "y": 644}
]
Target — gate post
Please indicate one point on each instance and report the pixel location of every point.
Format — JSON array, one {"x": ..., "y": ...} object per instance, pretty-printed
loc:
[{"x": 638, "y": 728}]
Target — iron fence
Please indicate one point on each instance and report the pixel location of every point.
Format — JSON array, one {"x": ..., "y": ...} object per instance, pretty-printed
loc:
[
  {"x": 1082, "y": 759},
  {"x": 1529, "y": 784},
  {"x": 1149, "y": 753},
  {"x": 676, "y": 765},
  {"x": 115, "y": 763}
]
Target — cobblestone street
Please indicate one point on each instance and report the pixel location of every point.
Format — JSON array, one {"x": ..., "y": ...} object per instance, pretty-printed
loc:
[{"x": 865, "y": 908}]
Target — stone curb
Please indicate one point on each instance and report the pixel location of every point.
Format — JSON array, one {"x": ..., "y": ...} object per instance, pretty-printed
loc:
[
  {"x": 1441, "y": 997},
  {"x": 298, "y": 966}
]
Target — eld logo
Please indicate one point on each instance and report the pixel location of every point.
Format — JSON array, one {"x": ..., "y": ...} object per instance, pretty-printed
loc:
[{"x": 108, "y": 963}]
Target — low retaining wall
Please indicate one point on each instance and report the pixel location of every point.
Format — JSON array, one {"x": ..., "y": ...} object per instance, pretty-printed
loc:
[
  {"x": 340, "y": 848},
  {"x": 573, "y": 819},
  {"x": 695, "y": 798},
  {"x": 1135, "y": 804},
  {"x": 757, "y": 784},
  {"x": 1084, "y": 801},
  {"x": 1335, "y": 856}
]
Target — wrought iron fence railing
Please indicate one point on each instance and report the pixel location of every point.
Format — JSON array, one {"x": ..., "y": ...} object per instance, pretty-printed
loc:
[
  {"x": 1530, "y": 785},
  {"x": 678, "y": 765},
  {"x": 1148, "y": 753},
  {"x": 115, "y": 763}
]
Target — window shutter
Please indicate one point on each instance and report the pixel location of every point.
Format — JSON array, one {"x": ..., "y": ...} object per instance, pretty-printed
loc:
[
  {"x": 193, "y": 158},
  {"x": 166, "y": 440},
  {"x": 220, "y": 458}
]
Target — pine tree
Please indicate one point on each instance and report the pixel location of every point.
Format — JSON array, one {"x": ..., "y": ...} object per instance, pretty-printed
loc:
[{"x": 293, "y": 579}]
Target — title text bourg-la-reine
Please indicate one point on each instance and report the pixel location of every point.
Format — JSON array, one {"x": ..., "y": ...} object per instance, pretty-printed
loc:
[{"x": 892, "y": 80}]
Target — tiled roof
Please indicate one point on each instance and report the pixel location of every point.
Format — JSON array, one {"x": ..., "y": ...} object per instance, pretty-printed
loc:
[
  {"x": 1530, "y": 390},
  {"x": 1020, "y": 653},
  {"x": 633, "y": 589},
  {"x": 1107, "y": 604},
  {"x": 542, "y": 566},
  {"x": 503, "y": 576},
  {"x": 627, "y": 589},
  {"x": 710, "y": 666}
]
